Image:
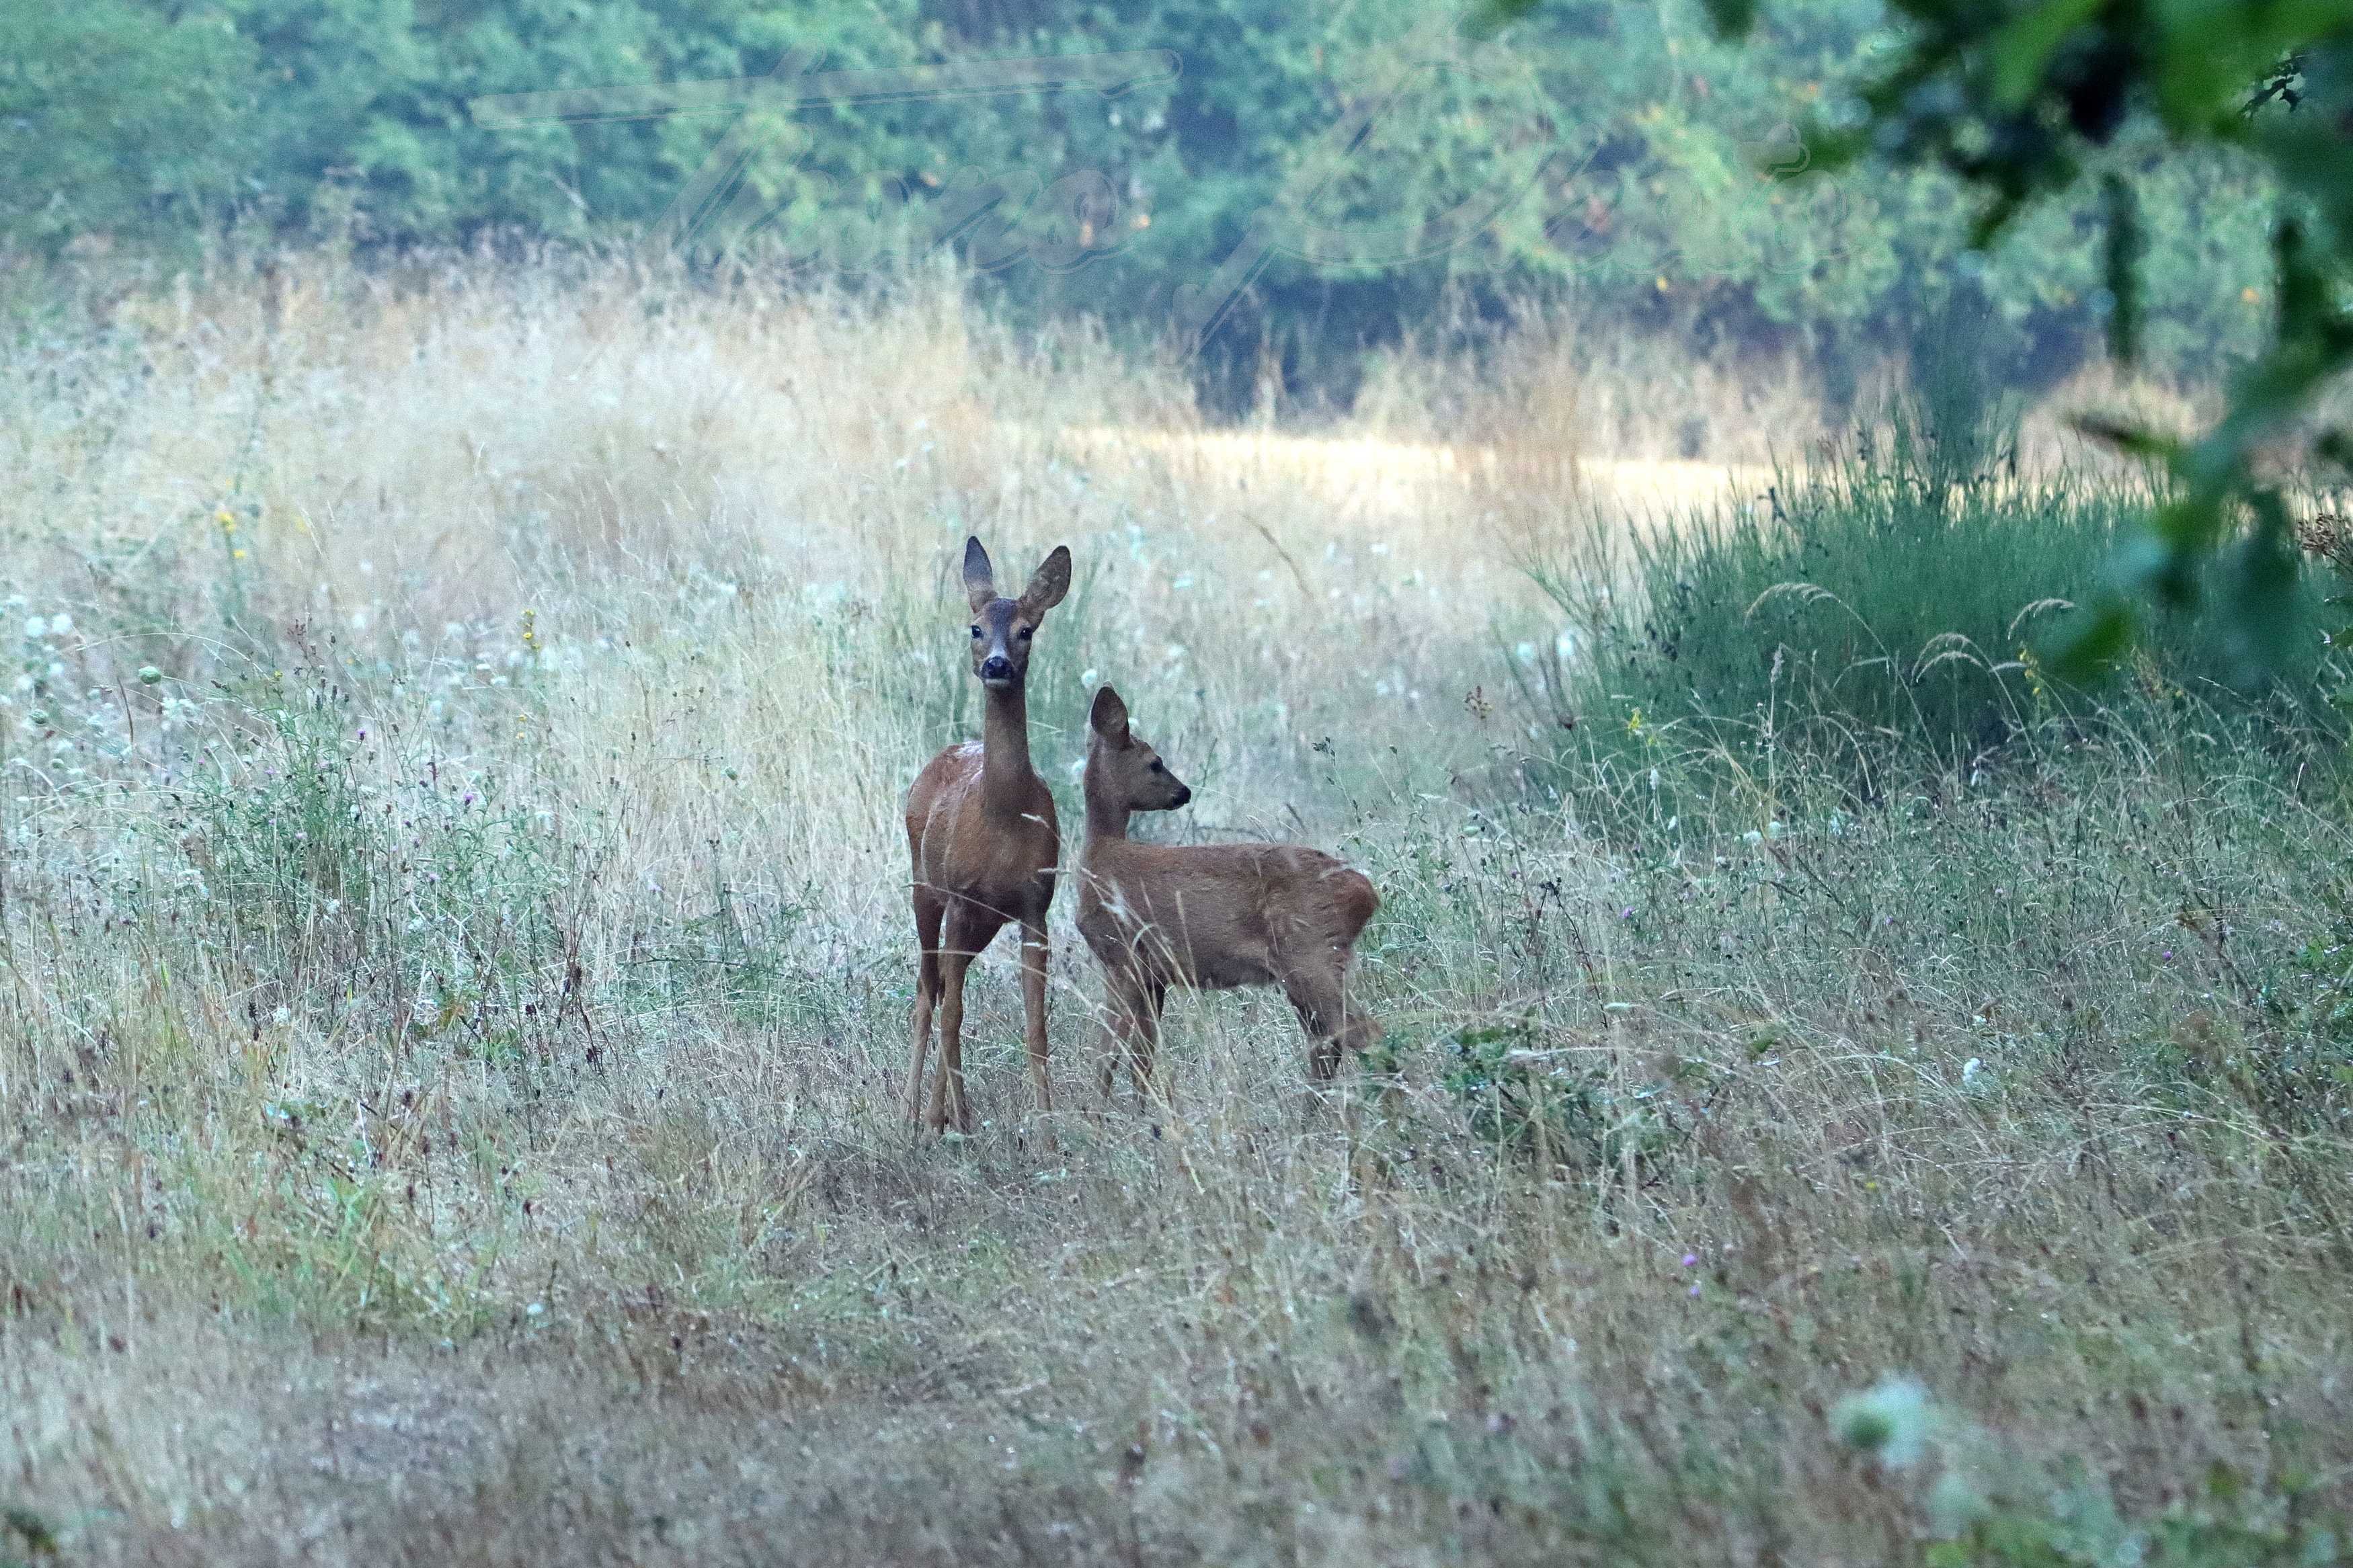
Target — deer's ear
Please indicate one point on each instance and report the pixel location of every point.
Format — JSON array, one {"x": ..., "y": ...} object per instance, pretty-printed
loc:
[
  {"x": 1050, "y": 581},
  {"x": 1109, "y": 718},
  {"x": 979, "y": 577}
]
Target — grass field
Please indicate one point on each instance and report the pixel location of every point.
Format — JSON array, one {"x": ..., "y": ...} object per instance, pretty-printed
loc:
[{"x": 459, "y": 967}]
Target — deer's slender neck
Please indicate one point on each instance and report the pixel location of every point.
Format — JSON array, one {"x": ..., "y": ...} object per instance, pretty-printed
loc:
[
  {"x": 1106, "y": 813},
  {"x": 1004, "y": 771}
]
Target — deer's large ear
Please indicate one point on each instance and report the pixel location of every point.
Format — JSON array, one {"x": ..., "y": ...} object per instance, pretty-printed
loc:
[
  {"x": 1049, "y": 584},
  {"x": 979, "y": 577},
  {"x": 1109, "y": 718}
]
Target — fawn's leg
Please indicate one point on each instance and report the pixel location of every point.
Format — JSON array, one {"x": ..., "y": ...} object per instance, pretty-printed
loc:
[
  {"x": 1033, "y": 1016},
  {"x": 1118, "y": 1022},
  {"x": 1151, "y": 998},
  {"x": 968, "y": 931},
  {"x": 1321, "y": 1003},
  {"x": 928, "y": 913}
]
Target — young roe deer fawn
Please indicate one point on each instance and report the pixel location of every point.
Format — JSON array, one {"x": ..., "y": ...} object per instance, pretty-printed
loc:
[
  {"x": 1211, "y": 916},
  {"x": 981, "y": 830}
]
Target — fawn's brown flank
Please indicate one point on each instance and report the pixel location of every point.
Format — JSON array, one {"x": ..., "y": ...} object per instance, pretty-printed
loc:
[
  {"x": 1210, "y": 916},
  {"x": 981, "y": 831}
]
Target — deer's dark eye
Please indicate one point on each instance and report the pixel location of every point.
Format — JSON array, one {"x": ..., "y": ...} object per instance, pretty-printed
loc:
[
  {"x": 1024, "y": 633},
  {"x": 975, "y": 631},
  {"x": 1158, "y": 766}
]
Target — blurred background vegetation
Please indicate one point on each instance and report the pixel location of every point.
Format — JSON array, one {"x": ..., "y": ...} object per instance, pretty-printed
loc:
[{"x": 1679, "y": 197}]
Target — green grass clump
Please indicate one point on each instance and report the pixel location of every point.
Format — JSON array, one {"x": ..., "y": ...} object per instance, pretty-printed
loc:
[
  {"x": 1571, "y": 1104},
  {"x": 1883, "y": 598},
  {"x": 334, "y": 848}
]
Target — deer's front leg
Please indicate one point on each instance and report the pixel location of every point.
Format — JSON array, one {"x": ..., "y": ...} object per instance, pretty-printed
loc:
[
  {"x": 969, "y": 930},
  {"x": 1143, "y": 1040},
  {"x": 928, "y": 916},
  {"x": 1119, "y": 1023},
  {"x": 1033, "y": 1008},
  {"x": 949, "y": 1106}
]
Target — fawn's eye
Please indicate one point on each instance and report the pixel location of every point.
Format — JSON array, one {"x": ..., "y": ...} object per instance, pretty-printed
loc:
[
  {"x": 975, "y": 631},
  {"x": 1158, "y": 766},
  {"x": 1024, "y": 633}
]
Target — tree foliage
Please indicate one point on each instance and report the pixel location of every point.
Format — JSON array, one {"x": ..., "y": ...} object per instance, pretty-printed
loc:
[
  {"x": 2024, "y": 101},
  {"x": 1659, "y": 172},
  {"x": 2016, "y": 100}
]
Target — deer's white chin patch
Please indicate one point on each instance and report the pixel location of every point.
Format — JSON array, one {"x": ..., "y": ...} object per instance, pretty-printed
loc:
[{"x": 1007, "y": 684}]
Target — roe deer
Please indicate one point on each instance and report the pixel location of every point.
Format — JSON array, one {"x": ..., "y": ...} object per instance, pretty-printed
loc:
[
  {"x": 1212, "y": 916},
  {"x": 981, "y": 830}
]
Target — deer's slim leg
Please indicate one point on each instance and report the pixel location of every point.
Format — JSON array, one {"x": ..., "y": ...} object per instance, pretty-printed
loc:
[
  {"x": 1121, "y": 1005},
  {"x": 947, "y": 1083},
  {"x": 1126, "y": 1021},
  {"x": 1316, "y": 995},
  {"x": 1115, "y": 1027},
  {"x": 928, "y": 913},
  {"x": 968, "y": 931},
  {"x": 1033, "y": 1016},
  {"x": 1145, "y": 1039}
]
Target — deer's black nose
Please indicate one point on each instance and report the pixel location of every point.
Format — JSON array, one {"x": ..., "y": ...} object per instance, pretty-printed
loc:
[
  {"x": 997, "y": 666},
  {"x": 1184, "y": 795}
]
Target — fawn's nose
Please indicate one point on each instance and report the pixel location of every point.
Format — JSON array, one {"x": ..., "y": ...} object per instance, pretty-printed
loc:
[
  {"x": 1184, "y": 795},
  {"x": 997, "y": 666}
]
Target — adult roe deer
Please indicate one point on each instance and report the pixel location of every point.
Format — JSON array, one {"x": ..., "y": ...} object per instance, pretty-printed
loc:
[
  {"x": 1210, "y": 916},
  {"x": 982, "y": 834}
]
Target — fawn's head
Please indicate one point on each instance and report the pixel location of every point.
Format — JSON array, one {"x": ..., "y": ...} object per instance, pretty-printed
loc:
[
  {"x": 1122, "y": 770},
  {"x": 1001, "y": 628}
]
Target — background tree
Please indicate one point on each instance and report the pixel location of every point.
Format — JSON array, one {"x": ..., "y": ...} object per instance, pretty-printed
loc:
[
  {"x": 153, "y": 123},
  {"x": 2022, "y": 102}
]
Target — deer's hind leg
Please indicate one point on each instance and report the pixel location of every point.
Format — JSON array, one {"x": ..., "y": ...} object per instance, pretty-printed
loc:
[
  {"x": 970, "y": 928},
  {"x": 1316, "y": 985},
  {"x": 930, "y": 910}
]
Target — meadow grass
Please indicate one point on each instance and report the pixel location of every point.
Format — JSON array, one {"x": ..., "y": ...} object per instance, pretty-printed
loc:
[
  {"x": 458, "y": 969},
  {"x": 1864, "y": 601}
]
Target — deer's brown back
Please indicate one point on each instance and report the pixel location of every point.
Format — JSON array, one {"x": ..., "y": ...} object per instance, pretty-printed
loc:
[{"x": 1218, "y": 915}]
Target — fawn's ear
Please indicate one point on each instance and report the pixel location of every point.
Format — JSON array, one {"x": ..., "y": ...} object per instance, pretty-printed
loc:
[
  {"x": 1109, "y": 718},
  {"x": 1050, "y": 581},
  {"x": 979, "y": 577}
]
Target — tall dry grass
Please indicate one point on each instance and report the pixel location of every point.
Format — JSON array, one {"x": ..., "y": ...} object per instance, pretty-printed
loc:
[{"x": 458, "y": 975}]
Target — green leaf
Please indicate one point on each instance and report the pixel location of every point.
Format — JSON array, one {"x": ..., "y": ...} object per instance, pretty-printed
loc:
[{"x": 2024, "y": 47}]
